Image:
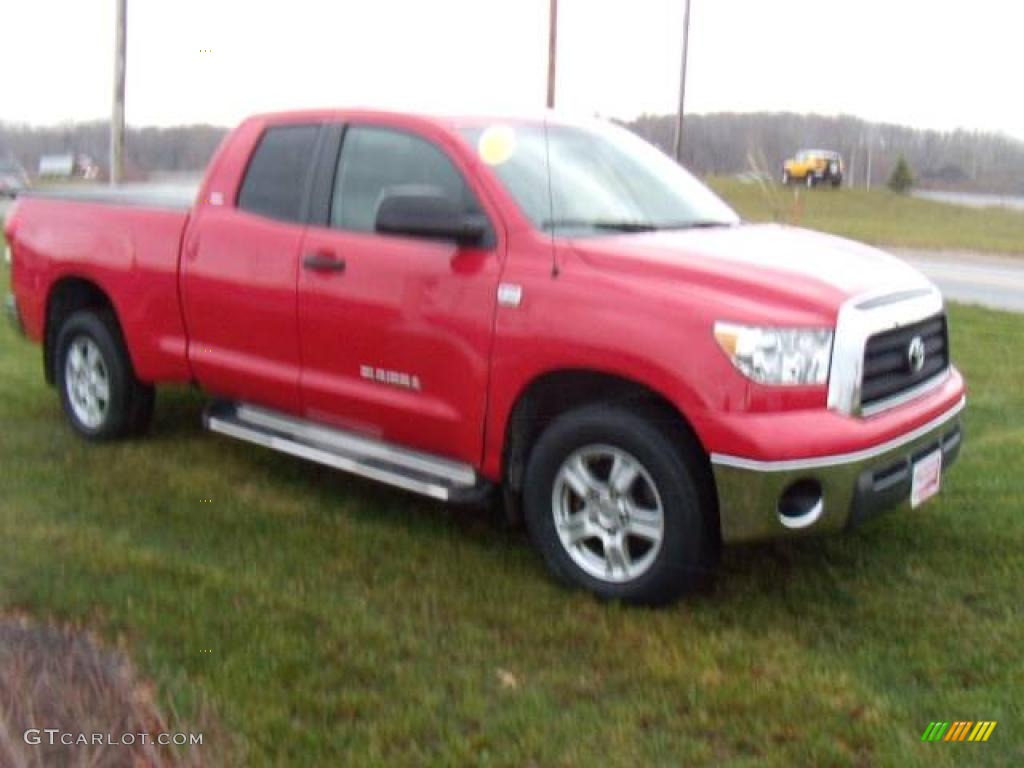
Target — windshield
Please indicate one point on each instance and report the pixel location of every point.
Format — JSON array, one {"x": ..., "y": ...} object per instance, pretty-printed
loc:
[{"x": 603, "y": 178}]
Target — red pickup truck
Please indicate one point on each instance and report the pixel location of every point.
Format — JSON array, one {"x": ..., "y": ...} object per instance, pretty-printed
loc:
[{"x": 550, "y": 307}]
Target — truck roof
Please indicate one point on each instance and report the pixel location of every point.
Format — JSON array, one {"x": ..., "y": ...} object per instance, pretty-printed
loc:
[{"x": 440, "y": 118}]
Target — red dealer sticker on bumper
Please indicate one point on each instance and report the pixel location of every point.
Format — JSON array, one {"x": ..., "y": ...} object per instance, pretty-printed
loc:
[{"x": 927, "y": 478}]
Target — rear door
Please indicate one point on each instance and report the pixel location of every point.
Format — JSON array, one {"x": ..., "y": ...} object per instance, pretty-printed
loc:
[
  {"x": 396, "y": 330},
  {"x": 239, "y": 276}
]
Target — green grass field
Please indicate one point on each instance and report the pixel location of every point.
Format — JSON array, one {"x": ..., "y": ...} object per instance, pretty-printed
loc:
[
  {"x": 878, "y": 217},
  {"x": 327, "y": 621}
]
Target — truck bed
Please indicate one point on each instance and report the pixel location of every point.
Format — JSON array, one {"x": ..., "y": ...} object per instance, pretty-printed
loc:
[
  {"x": 178, "y": 197},
  {"x": 124, "y": 240}
]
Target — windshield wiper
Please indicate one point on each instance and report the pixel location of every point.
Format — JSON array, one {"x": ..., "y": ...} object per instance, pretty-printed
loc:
[
  {"x": 634, "y": 225},
  {"x": 695, "y": 224},
  {"x": 624, "y": 225}
]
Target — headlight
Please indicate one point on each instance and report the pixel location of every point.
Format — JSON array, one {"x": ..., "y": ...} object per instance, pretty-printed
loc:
[{"x": 783, "y": 356}]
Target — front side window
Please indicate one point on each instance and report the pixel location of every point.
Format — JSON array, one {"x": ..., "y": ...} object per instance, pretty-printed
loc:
[
  {"x": 591, "y": 178},
  {"x": 275, "y": 180},
  {"x": 375, "y": 161}
]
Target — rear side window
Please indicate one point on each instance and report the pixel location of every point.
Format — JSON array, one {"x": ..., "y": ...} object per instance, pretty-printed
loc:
[
  {"x": 375, "y": 160},
  {"x": 275, "y": 181}
]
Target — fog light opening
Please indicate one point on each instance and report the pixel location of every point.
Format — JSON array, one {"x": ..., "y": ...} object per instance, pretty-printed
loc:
[{"x": 801, "y": 504}]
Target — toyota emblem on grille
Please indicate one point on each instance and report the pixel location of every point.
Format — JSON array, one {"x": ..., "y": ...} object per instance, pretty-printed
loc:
[{"x": 915, "y": 355}]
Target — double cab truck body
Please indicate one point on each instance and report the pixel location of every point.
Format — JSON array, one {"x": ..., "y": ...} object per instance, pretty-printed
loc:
[{"x": 452, "y": 305}]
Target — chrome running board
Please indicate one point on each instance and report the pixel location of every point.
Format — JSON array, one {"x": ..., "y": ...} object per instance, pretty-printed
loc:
[{"x": 422, "y": 473}]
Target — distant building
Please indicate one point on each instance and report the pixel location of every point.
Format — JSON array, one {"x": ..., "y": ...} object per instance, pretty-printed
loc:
[{"x": 68, "y": 165}]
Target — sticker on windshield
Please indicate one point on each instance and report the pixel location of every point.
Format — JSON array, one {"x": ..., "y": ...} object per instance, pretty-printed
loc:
[{"x": 496, "y": 144}]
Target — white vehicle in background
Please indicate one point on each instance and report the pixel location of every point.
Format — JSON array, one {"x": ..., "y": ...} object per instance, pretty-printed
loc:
[
  {"x": 13, "y": 178},
  {"x": 68, "y": 165}
]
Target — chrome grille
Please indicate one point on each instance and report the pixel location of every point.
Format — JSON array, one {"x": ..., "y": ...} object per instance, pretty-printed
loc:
[{"x": 888, "y": 371}]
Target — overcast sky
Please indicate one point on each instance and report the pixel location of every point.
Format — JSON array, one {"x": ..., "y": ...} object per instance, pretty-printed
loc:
[{"x": 930, "y": 63}]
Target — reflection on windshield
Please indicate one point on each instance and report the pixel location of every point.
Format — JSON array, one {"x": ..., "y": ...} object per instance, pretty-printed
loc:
[{"x": 603, "y": 178}]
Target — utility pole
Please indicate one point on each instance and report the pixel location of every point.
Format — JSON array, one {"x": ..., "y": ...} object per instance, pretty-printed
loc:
[
  {"x": 117, "y": 115},
  {"x": 867, "y": 175},
  {"x": 552, "y": 51},
  {"x": 682, "y": 84},
  {"x": 873, "y": 138}
]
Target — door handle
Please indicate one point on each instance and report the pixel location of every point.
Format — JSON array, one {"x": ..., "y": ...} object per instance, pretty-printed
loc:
[{"x": 322, "y": 262}]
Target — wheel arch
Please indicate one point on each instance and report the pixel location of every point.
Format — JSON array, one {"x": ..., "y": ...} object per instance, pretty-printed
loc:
[
  {"x": 554, "y": 392},
  {"x": 67, "y": 295}
]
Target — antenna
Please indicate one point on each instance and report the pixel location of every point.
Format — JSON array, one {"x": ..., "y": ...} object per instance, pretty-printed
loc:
[{"x": 551, "y": 200}]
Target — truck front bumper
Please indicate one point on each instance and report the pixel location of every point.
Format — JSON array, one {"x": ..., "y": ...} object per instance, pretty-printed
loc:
[
  {"x": 13, "y": 315},
  {"x": 822, "y": 494}
]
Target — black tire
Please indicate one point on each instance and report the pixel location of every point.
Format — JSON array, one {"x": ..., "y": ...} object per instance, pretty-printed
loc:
[
  {"x": 689, "y": 547},
  {"x": 128, "y": 407}
]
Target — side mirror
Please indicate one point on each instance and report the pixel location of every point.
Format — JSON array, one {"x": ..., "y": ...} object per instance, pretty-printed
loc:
[{"x": 424, "y": 211}]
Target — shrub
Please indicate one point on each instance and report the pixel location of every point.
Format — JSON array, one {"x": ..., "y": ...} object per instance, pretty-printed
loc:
[{"x": 902, "y": 179}]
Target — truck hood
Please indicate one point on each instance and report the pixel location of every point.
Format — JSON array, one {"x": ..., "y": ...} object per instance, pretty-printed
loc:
[{"x": 760, "y": 263}]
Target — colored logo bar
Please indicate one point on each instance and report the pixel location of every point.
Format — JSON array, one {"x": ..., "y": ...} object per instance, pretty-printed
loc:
[{"x": 960, "y": 730}]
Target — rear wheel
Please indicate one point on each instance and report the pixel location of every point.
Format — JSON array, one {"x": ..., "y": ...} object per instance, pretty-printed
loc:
[
  {"x": 100, "y": 395},
  {"x": 616, "y": 506}
]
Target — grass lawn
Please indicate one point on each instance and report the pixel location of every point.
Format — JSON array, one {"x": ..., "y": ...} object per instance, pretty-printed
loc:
[
  {"x": 879, "y": 216},
  {"x": 328, "y": 621}
]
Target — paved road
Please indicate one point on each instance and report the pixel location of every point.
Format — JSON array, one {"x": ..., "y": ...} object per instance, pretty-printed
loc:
[
  {"x": 972, "y": 199},
  {"x": 973, "y": 278}
]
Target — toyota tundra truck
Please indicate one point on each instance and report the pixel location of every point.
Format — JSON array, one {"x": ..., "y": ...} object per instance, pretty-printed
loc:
[{"x": 545, "y": 306}]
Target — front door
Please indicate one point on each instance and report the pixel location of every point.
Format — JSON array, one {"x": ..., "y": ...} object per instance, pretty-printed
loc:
[{"x": 395, "y": 331}]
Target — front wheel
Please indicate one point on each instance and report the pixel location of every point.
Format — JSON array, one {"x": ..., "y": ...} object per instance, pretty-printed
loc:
[
  {"x": 616, "y": 506},
  {"x": 101, "y": 397}
]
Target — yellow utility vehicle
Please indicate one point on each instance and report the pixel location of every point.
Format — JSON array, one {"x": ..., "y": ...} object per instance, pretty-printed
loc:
[{"x": 812, "y": 167}]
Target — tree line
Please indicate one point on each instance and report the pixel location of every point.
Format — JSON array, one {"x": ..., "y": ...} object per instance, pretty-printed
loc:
[
  {"x": 722, "y": 143},
  {"x": 729, "y": 143},
  {"x": 180, "y": 149}
]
